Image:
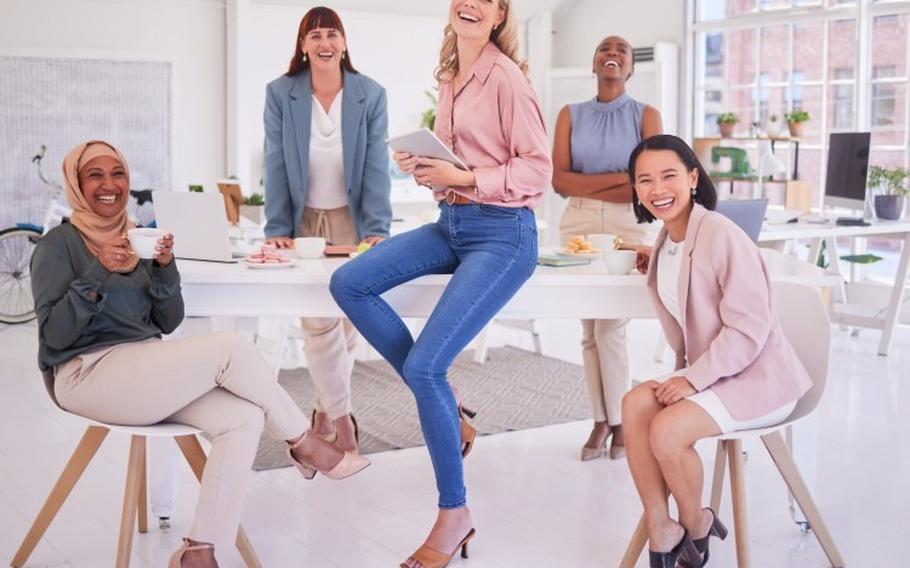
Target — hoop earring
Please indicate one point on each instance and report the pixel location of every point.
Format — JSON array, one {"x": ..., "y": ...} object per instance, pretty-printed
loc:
[{"x": 694, "y": 191}]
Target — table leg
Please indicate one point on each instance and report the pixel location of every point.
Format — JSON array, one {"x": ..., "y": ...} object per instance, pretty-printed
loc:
[{"x": 897, "y": 299}]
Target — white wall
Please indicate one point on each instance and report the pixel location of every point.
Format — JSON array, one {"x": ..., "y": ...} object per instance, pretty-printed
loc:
[
  {"x": 398, "y": 51},
  {"x": 188, "y": 33}
]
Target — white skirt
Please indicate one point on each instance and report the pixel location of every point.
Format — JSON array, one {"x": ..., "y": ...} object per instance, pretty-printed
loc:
[{"x": 714, "y": 406}]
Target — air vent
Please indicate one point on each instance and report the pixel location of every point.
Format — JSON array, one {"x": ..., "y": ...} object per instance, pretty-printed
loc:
[{"x": 643, "y": 54}]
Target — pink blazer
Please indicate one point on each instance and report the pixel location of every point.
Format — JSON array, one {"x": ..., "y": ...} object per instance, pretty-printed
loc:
[{"x": 730, "y": 339}]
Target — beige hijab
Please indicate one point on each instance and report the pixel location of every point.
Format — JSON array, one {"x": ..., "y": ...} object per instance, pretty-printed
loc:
[{"x": 94, "y": 229}]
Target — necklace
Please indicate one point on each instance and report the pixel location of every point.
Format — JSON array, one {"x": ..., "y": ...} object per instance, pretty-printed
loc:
[{"x": 672, "y": 248}]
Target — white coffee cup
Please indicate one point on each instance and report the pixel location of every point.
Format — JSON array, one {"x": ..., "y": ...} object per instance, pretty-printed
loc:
[
  {"x": 619, "y": 261},
  {"x": 143, "y": 241},
  {"x": 602, "y": 241},
  {"x": 309, "y": 247}
]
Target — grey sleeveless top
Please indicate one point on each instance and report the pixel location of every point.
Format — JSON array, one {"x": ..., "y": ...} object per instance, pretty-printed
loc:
[{"x": 604, "y": 134}]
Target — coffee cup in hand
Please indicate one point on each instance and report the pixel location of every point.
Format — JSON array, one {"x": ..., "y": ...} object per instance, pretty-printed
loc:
[{"x": 143, "y": 241}]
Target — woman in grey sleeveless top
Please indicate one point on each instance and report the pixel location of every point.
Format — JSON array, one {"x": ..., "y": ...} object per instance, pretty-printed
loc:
[{"x": 593, "y": 141}]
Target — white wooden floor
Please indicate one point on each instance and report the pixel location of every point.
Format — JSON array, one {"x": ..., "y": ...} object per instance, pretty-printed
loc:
[{"x": 533, "y": 502}]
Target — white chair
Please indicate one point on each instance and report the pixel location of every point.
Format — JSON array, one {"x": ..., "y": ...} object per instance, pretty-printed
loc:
[
  {"x": 135, "y": 495},
  {"x": 805, "y": 322}
]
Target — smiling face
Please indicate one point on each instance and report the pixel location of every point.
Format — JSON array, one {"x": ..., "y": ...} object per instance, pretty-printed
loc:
[
  {"x": 664, "y": 185},
  {"x": 613, "y": 59},
  {"x": 105, "y": 185},
  {"x": 475, "y": 19},
  {"x": 324, "y": 47}
]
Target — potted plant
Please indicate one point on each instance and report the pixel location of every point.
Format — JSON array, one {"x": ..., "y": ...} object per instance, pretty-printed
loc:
[
  {"x": 890, "y": 184},
  {"x": 428, "y": 117},
  {"x": 725, "y": 122},
  {"x": 797, "y": 120},
  {"x": 252, "y": 208},
  {"x": 772, "y": 126}
]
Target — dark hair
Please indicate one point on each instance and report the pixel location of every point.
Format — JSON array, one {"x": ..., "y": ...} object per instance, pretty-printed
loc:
[
  {"x": 705, "y": 194},
  {"x": 318, "y": 17}
]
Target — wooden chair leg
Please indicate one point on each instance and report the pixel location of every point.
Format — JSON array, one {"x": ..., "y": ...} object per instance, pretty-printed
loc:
[
  {"x": 636, "y": 545},
  {"x": 76, "y": 465},
  {"x": 720, "y": 468},
  {"x": 195, "y": 456},
  {"x": 130, "y": 502},
  {"x": 776, "y": 446},
  {"x": 143, "y": 495},
  {"x": 738, "y": 490}
]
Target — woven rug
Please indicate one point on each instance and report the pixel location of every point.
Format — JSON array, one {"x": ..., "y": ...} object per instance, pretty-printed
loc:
[{"x": 513, "y": 390}]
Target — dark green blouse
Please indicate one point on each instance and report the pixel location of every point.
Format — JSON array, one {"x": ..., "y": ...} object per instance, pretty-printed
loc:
[{"x": 81, "y": 306}]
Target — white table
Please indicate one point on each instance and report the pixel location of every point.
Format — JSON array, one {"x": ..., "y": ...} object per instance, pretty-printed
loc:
[{"x": 828, "y": 233}]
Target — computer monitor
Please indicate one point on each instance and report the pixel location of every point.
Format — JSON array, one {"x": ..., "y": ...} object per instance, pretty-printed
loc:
[{"x": 848, "y": 163}]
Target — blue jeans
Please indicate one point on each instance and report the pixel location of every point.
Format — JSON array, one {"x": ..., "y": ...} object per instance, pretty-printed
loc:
[{"x": 490, "y": 252}]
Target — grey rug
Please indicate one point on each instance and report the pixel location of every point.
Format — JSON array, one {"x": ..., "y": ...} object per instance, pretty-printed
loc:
[{"x": 513, "y": 390}]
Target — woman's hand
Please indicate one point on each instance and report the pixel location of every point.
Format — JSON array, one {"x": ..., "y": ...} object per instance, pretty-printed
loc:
[
  {"x": 643, "y": 258},
  {"x": 115, "y": 254},
  {"x": 280, "y": 242},
  {"x": 673, "y": 390},
  {"x": 440, "y": 173},
  {"x": 372, "y": 240},
  {"x": 406, "y": 162},
  {"x": 164, "y": 250}
]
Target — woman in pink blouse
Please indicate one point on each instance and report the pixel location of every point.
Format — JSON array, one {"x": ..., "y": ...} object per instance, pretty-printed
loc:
[{"x": 486, "y": 238}]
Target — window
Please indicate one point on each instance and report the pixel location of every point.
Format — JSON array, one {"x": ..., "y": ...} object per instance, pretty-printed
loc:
[
  {"x": 842, "y": 100},
  {"x": 883, "y": 97}
]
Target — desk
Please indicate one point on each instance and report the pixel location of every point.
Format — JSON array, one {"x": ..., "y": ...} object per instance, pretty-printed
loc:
[{"x": 828, "y": 233}]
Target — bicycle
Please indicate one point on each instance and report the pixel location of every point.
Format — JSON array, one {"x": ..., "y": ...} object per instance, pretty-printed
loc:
[{"x": 17, "y": 243}]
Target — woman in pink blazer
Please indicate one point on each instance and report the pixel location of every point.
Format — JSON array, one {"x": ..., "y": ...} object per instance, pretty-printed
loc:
[{"x": 735, "y": 368}]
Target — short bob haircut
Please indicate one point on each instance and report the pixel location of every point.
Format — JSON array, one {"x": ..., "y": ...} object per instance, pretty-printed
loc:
[
  {"x": 318, "y": 17},
  {"x": 705, "y": 194}
]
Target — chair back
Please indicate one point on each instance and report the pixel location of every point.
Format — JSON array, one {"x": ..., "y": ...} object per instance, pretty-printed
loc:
[{"x": 805, "y": 322}]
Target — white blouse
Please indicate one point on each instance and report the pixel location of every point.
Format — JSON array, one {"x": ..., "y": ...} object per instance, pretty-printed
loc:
[
  {"x": 669, "y": 261},
  {"x": 326, "y": 182}
]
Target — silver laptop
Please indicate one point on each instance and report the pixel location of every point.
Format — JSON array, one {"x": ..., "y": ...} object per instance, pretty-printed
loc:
[
  {"x": 748, "y": 214},
  {"x": 197, "y": 221}
]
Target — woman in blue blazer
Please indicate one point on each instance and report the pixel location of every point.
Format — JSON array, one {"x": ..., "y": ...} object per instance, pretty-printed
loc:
[{"x": 327, "y": 175}]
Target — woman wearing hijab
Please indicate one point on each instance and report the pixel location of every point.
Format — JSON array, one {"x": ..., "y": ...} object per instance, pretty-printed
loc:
[{"x": 101, "y": 313}]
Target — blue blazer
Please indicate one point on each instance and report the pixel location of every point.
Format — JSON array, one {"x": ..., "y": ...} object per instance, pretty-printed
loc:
[{"x": 364, "y": 129}]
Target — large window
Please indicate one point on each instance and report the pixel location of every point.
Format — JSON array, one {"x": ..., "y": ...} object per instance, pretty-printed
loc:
[{"x": 843, "y": 61}]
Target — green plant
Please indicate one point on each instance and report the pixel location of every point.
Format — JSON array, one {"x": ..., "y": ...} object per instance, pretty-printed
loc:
[
  {"x": 798, "y": 116},
  {"x": 890, "y": 181},
  {"x": 254, "y": 199},
  {"x": 428, "y": 117},
  {"x": 196, "y": 188},
  {"x": 727, "y": 118}
]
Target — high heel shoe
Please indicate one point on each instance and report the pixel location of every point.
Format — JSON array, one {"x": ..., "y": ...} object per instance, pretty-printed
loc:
[
  {"x": 468, "y": 432},
  {"x": 589, "y": 453},
  {"x": 717, "y": 529},
  {"x": 177, "y": 557},
  {"x": 684, "y": 552},
  {"x": 432, "y": 558},
  {"x": 617, "y": 450},
  {"x": 348, "y": 466}
]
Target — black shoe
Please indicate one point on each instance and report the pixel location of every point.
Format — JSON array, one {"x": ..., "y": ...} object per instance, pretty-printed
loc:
[
  {"x": 684, "y": 552},
  {"x": 717, "y": 529}
]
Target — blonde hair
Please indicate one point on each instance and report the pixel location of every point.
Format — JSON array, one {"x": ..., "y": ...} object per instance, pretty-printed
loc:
[{"x": 505, "y": 36}]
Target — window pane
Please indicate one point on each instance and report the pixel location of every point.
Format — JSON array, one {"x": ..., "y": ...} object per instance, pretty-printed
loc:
[
  {"x": 741, "y": 52},
  {"x": 808, "y": 52},
  {"x": 889, "y": 120},
  {"x": 719, "y": 9},
  {"x": 714, "y": 55},
  {"x": 775, "y": 53},
  {"x": 771, "y": 4},
  {"x": 889, "y": 44},
  {"x": 842, "y": 48},
  {"x": 772, "y": 100},
  {"x": 887, "y": 158},
  {"x": 741, "y": 103},
  {"x": 840, "y": 107},
  {"x": 810, "y": 170},
  {"x": 809, "y": 99}
]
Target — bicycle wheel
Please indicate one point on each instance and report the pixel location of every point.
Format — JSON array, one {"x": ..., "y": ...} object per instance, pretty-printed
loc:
[{"x": 16, "y": 247}]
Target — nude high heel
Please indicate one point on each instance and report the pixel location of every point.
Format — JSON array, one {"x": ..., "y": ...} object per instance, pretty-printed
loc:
[
  {"x": 432, "y": 558},
  {"x": 348, "y": 466},
  {"x": 177, "y": 557},
  {"x": 468, "y": 432}
]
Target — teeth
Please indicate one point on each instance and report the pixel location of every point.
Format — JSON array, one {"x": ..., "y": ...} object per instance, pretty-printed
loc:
[
  {"x": 663, "y": 202},
  {"x": 107, "y": 199},
  {"x": 468, "y": 17},
  {"x": 325, "y": 54},
  {"x": 611, "y": 64}
]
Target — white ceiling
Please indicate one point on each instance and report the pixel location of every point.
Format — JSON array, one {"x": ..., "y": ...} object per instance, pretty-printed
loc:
[{"x": 523, "y": 8}]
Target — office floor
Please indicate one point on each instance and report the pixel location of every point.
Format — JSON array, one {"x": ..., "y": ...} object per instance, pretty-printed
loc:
[{"x": 534, "y": 503}]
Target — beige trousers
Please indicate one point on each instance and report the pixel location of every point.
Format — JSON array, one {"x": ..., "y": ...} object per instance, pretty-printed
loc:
[
  {"x": 218, "y": 383},
  {"x": 329, "y": 343},
  {"x": 603, "y": 342}
]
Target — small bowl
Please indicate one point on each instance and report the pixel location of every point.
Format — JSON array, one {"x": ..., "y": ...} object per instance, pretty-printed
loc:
[
  {"x": 619, "y": 261},
  {"x": 309, "y": 247},
  {"x": 143, "y": 241}
]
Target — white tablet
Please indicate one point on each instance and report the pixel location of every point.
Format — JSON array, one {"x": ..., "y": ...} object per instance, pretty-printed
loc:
[{"x": 424, "y": 143}]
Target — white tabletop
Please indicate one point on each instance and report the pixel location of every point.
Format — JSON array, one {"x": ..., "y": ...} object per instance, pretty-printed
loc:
[{"x": 806, "y": 230}]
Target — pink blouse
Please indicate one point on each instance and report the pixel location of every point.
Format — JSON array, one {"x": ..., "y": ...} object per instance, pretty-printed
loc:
[{"x": 494, "y": 124}]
